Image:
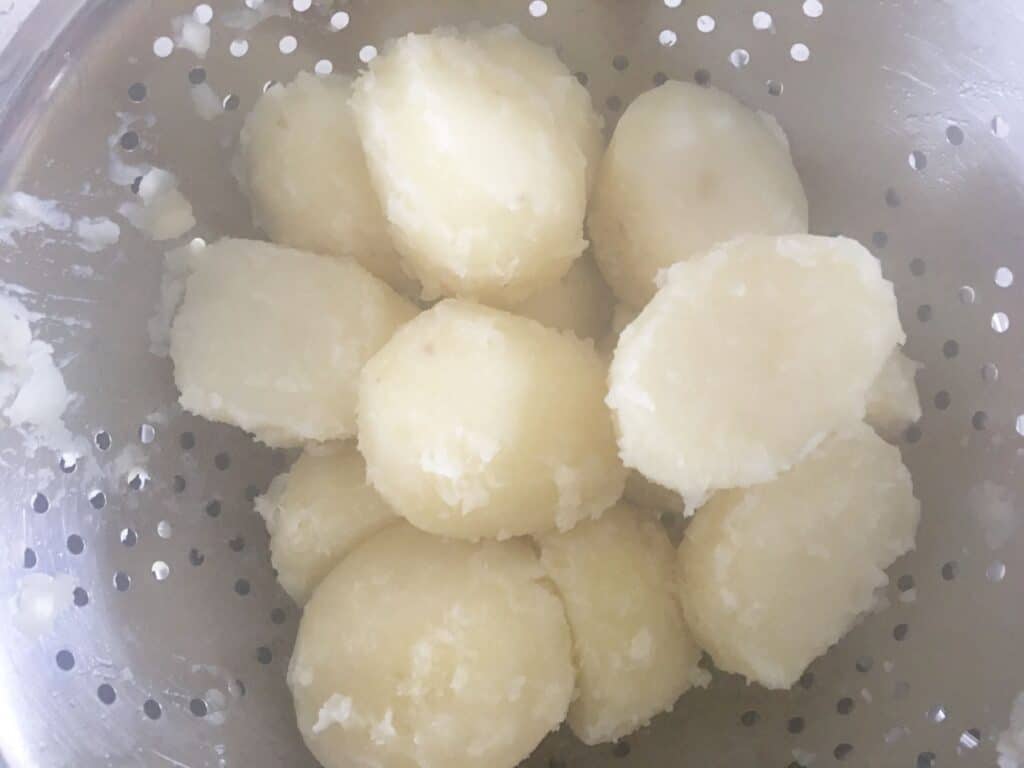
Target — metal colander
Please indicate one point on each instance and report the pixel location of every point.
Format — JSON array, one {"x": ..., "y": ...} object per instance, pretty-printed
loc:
[{"x": 906, "y": 121}]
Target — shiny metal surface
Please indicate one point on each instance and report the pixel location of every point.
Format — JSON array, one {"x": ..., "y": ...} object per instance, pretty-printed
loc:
[{"x": 907, "y": 123}]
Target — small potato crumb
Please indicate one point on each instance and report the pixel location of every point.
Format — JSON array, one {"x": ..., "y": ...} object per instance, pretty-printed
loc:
[
  {"x": 422, "y": 651},
  {"x": 272, "y": 339},
  {"x": 771, "y": 576},
  {"x": 634, "y": 655},
  {"x": 317, "y": 512},
  {"x": 477, "y": 423}
]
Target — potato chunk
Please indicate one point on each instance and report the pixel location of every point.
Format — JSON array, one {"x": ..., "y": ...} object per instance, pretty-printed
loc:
[
  {"x": 477, "y": 423},
  {"x": 747, "y": 358},
  {"x": 772, "y": 575},
  {"x": 317, "y": 512},
  {"x": 634, "y": 655},
  {"x": 688, "y": 167},
  {"x": 272, "y": 340},
  {"x": 303, "y": 169},
  {"x": 481, "y": 174},
  {"x": 422, "y": 651}
]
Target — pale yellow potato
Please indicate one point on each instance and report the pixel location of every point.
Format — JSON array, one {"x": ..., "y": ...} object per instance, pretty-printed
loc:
[
  {"x": 423, "y": 652},
  {"x": 479, "y": 173},
  {"x": 317, "y": 512},
  {"x": 478, "y": 423},
  {"x": 634, "y": 656},
  {"x": 305, "y": 174},
  {"x": 580, "y": 302},
  {"x": 688, "y": 167},
  {"x": 893, "y": 403},
  {"x": 747, "y": 358},
  {"x": 771, "y": 576},
  {"x": 272, "y": 339}
]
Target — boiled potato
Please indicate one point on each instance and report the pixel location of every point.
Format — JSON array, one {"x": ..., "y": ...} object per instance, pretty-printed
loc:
[
  {"x": 580, "y": 302},
  {"x": 747, "y": 358},
  {"x": 688, "y": 167},
  {"x": 633, "y": 653},
  {"x": 272, "y": 339},
  {"x": 479, "y": 172},
  {"x": 305, "y": 174},
  {"x": 317, "y": 512},
  {"x": 893, "y": 404},
  {"x": 771, "y": 576},
  {"x": 422, "y": 651},
  {"x": 477, "y": 423}
]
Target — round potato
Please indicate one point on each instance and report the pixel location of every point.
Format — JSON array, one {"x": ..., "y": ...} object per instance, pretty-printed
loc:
[
  {"x": 272, "y": 339},
  {"x": 317, "y": 512},
  {"x": 580, "y": 302},
  {"x": 688, "y": 167},
  {"x": 771, "y": 576},
  {"x": 893, "y": 404},
  {"x": 303, "y": 169},
  {"x": 633, "y": 653},
  {"x": 481, "y": 176},
  {"x": 747, "y": 358},
  {"x": 422, "y": 651},
  {"x": 477, "y": 423}
]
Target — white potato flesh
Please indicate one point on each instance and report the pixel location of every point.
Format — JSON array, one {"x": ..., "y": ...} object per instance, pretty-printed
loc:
[
  {"x": 772, "y": 576},
  {"x": 317, "y": 512},
  {"x": 688, "y": 167},
  {"x": 580, "y": 302},
  {"x": 423, "y": 652},
  {"x": 483, "y": 185},
  {"x": 893, "y": 403},
  {"x": 747, "y": 358},
  {"x": 272, "y": 339},
  {"x": 633, "y": 653},
  {"x": 305, "y": 174},
  {"x": 477, "y": 423}
]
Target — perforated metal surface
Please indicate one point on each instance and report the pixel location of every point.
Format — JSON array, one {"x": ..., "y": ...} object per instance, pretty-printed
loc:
[{"x": 906, "y": 122}]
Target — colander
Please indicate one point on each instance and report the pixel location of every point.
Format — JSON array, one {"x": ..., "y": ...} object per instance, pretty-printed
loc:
[{"x": 906, "y": 121}]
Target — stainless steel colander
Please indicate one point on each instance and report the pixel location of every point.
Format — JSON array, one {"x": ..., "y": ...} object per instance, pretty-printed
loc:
[{"x": 907, "y": 124}]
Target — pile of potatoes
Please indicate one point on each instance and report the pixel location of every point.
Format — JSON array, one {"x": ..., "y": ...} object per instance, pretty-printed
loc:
[{"x": 489, "y": 441}]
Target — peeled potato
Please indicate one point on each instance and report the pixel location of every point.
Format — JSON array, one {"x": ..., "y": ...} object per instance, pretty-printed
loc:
[
  {"x": 771, "y": 576},
  {"x": 478, "y": 423},
  {"x": 747, "y": 358},
  {"x": 317, "y": 512},
  {"x": 479, "y": 171},
  {"x": 893, "y": 404},
  {"x": 688, "y": 167},
  {"x": 580, "y": 302},
  {"x": 633, "y": 653},
  {"x": 422, "y": 651},
  {"x": 304, "y": 171},
  {"x": 272, "y": 339}
]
